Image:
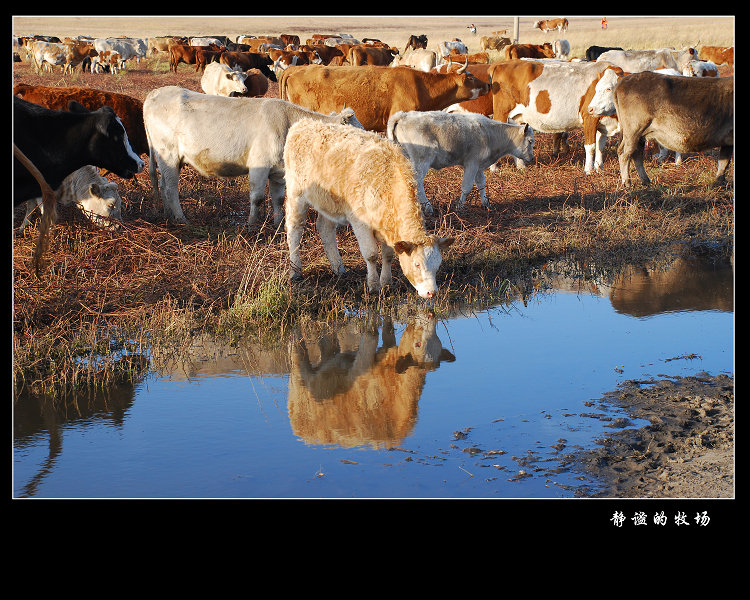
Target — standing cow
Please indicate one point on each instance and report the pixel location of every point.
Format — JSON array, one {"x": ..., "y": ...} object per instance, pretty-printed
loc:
[
  {"x": 375, "y": 93},
  {"x": 222, "y": 137},
  {"x": 357, "y": 177},
  {"x": 684, "y": 114},
  {"x": 437, "y": 139}
]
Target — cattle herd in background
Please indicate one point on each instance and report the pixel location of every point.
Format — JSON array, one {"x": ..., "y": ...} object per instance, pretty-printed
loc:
[{"x": 364, "y": 100}]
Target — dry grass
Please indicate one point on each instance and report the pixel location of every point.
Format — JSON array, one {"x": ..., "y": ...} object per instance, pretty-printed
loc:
[{"x": 105, "y": 299}]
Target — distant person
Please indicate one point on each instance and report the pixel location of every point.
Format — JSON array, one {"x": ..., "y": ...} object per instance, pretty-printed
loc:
[{"x": 604, "y": 22}]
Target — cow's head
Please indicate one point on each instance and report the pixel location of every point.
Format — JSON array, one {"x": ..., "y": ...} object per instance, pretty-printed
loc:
[
  {"x": 420, "y": 263},
  {"x": 102, "y": 205},
  {"x": 603, "y": 102},
  {"x": 109, "y": 142},
  {"x": 235, "y": 82}
]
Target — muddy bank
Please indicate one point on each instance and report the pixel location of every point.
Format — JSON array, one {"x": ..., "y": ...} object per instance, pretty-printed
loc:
[{"x": 687, "y": 450}]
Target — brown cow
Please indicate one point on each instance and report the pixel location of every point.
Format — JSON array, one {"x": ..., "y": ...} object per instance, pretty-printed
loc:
[
  {"x": 326, "y": 53},
  {"x": 368, "y": 55},
  {"x": 544, "y": 50},
  {"x": 256, "y": 84},
  {"x": 129, "y": 109},
  {"x": 717, "y": 54},
  {"x": 375, "y": 93}
]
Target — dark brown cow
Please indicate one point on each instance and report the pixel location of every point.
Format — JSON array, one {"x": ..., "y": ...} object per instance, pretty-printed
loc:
[
  {"x": 129, "y": 109},
  {"x": 416, "y": 41}
]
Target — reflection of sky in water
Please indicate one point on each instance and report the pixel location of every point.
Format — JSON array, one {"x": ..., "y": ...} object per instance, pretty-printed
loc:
[{"x": 519, "y": 384}]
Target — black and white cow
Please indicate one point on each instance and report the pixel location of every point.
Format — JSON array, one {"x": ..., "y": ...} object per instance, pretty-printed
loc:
[{"x": 60, "y": 142}]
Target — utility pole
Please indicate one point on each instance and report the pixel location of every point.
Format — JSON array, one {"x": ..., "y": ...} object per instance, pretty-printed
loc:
[{"x": 515, "y": 29}]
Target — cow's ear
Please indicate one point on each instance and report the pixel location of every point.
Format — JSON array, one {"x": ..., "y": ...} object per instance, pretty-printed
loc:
[
  {"x": 77, "y": 107},
  {"x": 95, "y": 190},
  {"x": 443, "y": 243},
  {"x": 401, "y": 247}
]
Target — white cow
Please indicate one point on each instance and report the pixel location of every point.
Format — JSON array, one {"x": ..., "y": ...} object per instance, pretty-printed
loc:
[
  {"x": 700, "y": 68},
  {"x": 205, "y": 41},
  {"x": 420, "y": 59},
  {"x": 223, "y": 137},
  {"x": 562, "y": 49},
  {"x": 437, "y": 139},
  {"x": 127, "y": 48},
  {"x": 46, "y": 55},
  {"x": 220, "y": 80},
  {"x": 97, "y": 197},
  {"x": 454, "y": 46},
  {"x": 353, "y": 176},
  {"x": 634, "y": 61}
]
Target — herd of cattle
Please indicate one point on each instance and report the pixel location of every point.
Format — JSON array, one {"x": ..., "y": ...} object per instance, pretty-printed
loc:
[{"x": 357, "y": 126}]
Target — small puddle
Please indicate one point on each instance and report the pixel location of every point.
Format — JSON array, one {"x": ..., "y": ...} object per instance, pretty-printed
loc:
[{"x": 483, "y": 404}]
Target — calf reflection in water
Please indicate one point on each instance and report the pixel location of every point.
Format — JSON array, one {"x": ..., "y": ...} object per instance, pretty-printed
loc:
[{"x": 359, "y": 394}]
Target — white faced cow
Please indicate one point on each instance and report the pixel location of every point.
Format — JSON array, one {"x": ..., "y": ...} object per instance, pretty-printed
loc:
[
  {"x": 352, "y": 176},
  {"x": 635, "y": 61},
  {"x": 437, "y": 139},
  {"x": 222, "y": 137},
  {"x": 220, "y": 80},
  {"x": 98, "y": 198}
]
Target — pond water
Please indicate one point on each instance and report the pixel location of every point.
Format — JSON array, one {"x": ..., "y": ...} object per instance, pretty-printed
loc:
[{"x": 475, "y": 405}]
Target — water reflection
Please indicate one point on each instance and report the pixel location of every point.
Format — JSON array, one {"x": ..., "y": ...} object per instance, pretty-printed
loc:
[
  {"x": 359, "y": 385},
  {"x": 356, "y": 393}
]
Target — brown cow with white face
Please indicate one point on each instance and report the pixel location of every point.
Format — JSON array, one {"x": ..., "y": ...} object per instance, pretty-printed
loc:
[{"x": 375, "y": 93}]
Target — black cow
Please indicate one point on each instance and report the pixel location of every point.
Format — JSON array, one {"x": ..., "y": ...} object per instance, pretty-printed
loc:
[
  {"x": 416, "y": 42},
  {"x": 594, "y": 52},
  {"x": 59, "y": 142},
  {"x": 249, "y": 60}
]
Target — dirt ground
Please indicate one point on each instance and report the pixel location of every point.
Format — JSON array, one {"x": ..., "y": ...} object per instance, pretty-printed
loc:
[{"x": 687, "y": 450}]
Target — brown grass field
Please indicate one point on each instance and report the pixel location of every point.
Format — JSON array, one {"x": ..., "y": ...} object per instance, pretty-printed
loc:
[{"x": 154, "y": 283}]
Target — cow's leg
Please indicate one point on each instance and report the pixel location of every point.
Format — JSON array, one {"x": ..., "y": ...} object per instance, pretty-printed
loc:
[
  {"x": 327, "y": 231},
  {"x": 560, "y": 140},
  {"x": 169, "y": 182},
  {"x": 725, "y": 155},
  {"x": 368, "y": 246},
  {"x": 601, "y": 143},
  {"x": 421, "y": 172},
  {"x": 467, "y": 183},
  {"x": 276, "y": 189},
  {"x": 256, "y": 179},
  {"x": 387, "y": 255},
  {"x": 630, "y": 151},
  {"x": 295, "y": 215}
]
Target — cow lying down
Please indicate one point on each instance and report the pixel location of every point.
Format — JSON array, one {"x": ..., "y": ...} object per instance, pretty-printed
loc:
[
  {"x": 436, "y": 139},
  {"x": 98, "y": 198},
  {"x": 357, "y": 177}
]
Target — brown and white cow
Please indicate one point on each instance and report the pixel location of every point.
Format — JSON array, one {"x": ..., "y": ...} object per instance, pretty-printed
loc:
[
  {"x": 718, "y": 55},
  {"x": 544, "y": 50},
  {"x": 375, "y": 93},
  {"x": 359, "y": 178},
  {"x": 127, "y": 108},
  {"x": 553, "y": 97},
  {"x": 684, "y": 114},
  {"x": 561, "y": 24}
]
